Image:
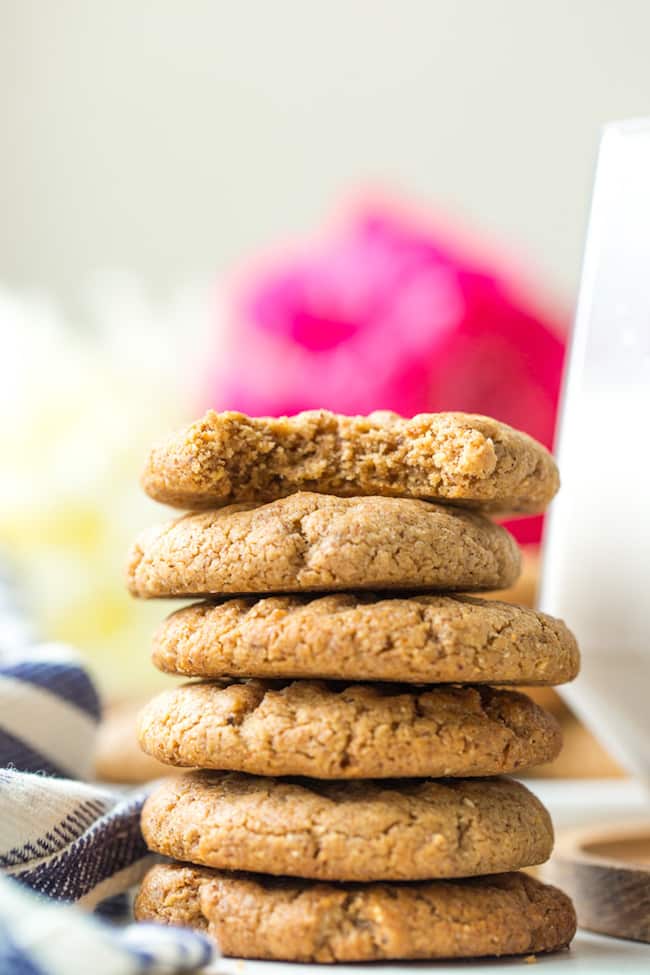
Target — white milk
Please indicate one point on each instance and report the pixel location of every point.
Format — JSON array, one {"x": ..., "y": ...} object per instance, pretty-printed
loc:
[
  {"x": 597, "y": 566},
  {"x": 597, "y": 548}
]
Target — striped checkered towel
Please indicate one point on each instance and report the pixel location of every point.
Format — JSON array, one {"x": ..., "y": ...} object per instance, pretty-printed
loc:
[
  {"x": 66, "y": 839},
  {"x": 44, "y": 937}
]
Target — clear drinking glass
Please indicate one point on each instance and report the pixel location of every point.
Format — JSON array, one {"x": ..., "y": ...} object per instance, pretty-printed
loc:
[{"x": 596, "y": 570}]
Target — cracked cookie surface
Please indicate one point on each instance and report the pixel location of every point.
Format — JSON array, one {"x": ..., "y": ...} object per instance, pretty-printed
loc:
[
  {"x": 252, "y": 916},
  {"x": 419, "y": 639},
  {"x": 348, "y": 831},
  {"x": 458, "y": 457},
  {"x": 337, "y": 731},
  {"x": 315, "y": 542}
]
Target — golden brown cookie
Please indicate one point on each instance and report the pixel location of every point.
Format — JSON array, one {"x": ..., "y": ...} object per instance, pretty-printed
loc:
[
  {"x": 312, "y": 542},
  {"x": 252, "y": 916},
  {"x": 472, "y": 460},
  {"x": 420, "y": 639},
  {"x": 355, "y": 731},
  {"x": 354, "y": 831}
]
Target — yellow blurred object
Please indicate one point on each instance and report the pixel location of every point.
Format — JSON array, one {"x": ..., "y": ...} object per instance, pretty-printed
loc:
[
  {"x": 79, "y": 528},
  {"x": 85, "y": 406}
]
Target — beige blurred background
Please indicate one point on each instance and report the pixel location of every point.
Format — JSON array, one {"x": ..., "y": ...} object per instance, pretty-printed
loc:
[{"x": 169, "y": 138}]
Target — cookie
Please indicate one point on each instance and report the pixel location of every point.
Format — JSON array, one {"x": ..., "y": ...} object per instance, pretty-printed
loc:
[
  {"x": 421, "y": 639},
  {"x": 315, "y": 542},
  {"x": 352, "y": 831},
  {"x": 252, "y": 916},
  {"x": 331, "y": 731},
  {"x": 457, "y": 457}
]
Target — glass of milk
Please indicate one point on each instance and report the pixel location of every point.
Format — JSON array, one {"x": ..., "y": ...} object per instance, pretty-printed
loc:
[{"x": 596, "y": 572}]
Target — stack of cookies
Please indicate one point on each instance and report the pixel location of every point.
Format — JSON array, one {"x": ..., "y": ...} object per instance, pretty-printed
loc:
[{"x": 351, "y": 739}]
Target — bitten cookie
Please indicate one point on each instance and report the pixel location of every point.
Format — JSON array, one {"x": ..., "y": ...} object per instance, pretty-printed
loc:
[
  {"x": 352, "y": 831},
  {"x": 252, "y": 916},
  {"x": 472, "y": 460},
  {"x": 330, "y": 731},
  {"x": 420, "y": 639},
  {"x": 315, "y": 542}
]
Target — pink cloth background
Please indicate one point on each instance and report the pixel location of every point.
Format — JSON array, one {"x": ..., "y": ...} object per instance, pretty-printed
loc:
[{"x": 385, "y": 313}]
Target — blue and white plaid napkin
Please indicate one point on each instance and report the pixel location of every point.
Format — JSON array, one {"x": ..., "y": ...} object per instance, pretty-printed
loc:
[{"x": 67, "y": 839}]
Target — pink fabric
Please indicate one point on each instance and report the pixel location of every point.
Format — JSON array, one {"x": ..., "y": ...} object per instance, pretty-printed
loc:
[{"x": 384, "y": 315}]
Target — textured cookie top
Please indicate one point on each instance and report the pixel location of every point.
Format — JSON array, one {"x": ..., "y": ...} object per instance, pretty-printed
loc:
[
  {"x": 457, "y": 457},
  {"x": 330, "y": 731},
  {"x": 420, "y": 639},
  {"x": 359, "y": 830},
  {"x": 252, "y": 916},
  {"x": 317, "y": 542}
]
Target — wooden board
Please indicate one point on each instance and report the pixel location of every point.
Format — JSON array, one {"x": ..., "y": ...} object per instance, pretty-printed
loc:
[{"x": 606, "y": 871}]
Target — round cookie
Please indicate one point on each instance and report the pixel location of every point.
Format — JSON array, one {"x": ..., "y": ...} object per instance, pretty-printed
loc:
[
  {"x": 312, "y": 542},
  {"x": 420, "y": 639},
  {"x": 330, "y": 731},
  {"x": 458, "y": 457},
  {"x": 348, "y": 831},
  {"x": 252, "y": 916}
]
